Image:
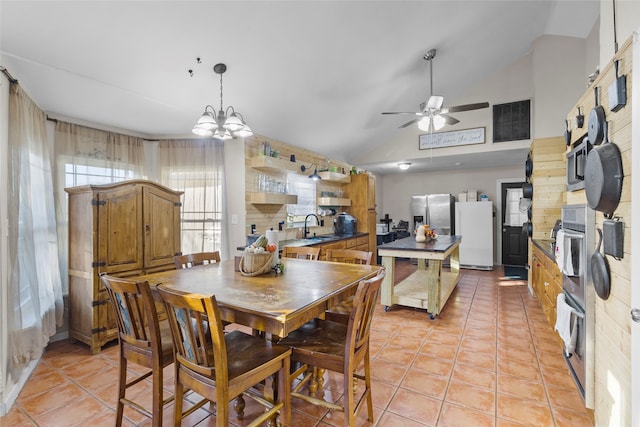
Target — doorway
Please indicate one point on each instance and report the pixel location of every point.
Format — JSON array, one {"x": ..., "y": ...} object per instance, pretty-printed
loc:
[{"x": 514, "y": 242}]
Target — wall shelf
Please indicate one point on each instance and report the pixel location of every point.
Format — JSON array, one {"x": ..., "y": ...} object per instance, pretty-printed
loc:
[
  {"x": 335, "y": 177},
  {"x": 274, "y": 164},
  {"x": 333, "y": 201},
  {"x": 272, "y": 199}
]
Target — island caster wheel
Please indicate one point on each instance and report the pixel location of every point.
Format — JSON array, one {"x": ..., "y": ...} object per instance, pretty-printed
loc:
[
  {"x": 386, "y": 308},
  {"x": 432, "y": 316}
]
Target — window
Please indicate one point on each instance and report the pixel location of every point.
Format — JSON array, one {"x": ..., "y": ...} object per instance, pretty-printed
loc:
[
  {"x": 514, "y": 217},
  {"x": 305, "y": 189},
  {"x": 83, "y": 174},
  {"x": 201, "y": 217}
]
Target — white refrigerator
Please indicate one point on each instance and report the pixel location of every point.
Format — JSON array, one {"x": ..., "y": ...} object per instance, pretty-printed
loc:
[{"x": 474, "y": 222}]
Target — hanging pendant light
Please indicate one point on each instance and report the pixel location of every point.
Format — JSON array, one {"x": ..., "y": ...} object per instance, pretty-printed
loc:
[{"x": 226, "y": 124}]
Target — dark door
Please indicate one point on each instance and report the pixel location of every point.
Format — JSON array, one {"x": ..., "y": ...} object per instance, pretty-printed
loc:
[{"x": 514, "y": 241}]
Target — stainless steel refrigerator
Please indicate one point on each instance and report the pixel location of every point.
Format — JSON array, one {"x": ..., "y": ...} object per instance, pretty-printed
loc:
[{"x": 437, "y": 210}]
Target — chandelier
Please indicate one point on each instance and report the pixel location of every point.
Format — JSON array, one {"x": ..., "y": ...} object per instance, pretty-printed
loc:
[{"x": 227, "y": 123}]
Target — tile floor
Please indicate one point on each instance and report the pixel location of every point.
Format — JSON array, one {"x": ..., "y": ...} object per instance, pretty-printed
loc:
[{"x": 489, "y": 359}]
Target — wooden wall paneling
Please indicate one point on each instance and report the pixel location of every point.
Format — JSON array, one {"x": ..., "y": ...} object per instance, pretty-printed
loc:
[
  {"x": 612, "y": 331},
  {"x": 549, "y": 184},
  {"x": 266, "y": 216}
]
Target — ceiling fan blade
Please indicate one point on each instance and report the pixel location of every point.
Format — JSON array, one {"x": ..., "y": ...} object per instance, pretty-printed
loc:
[
  {"x": 404, "y": 112},
  {"x": 409, "y": 123},
  {"x": 449, "y": 120},
  {"x": 466, "y": 107}
]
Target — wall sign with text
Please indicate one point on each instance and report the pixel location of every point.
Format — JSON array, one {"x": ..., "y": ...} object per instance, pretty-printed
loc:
[{"x": 452, "y": 138}]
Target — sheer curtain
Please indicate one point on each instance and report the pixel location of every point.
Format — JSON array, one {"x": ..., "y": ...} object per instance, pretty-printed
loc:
[
  {"x": 196, "y": 167},
  {"x": 89, "y": 156},
  {"x": 35, "y": 292}
]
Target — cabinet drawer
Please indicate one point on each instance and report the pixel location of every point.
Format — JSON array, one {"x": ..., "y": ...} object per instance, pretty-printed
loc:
[
  {"x": 351, "y": 243},
  {"x": 362, "y": 240}
]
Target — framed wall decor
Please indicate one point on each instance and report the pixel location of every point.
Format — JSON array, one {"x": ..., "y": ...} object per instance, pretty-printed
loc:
[{"x": 452, "y": 138}]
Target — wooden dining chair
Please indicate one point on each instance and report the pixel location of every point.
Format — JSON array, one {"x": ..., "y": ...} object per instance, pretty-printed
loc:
[
  {"x": 198, "y": 258},
  {"x": 351, "y": 256},
  {"x": 220, "y": 367},
  {"x": 340, "y": 312},
  {"x": 301, "y": 252},
  {"x": 143, "y": 340},
  {"x": 324, "y": 344}
]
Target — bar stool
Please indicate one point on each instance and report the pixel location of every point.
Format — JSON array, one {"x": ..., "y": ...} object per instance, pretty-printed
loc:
[{"x": 143, "y": 340}]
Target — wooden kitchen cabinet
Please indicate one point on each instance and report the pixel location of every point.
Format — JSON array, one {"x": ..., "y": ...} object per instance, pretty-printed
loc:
[
  {"x": 362, "y": 192},
  {"x": 360, "y": 243},
  {"x": 124, "y": 229},
  {"x": 546, "y": 281}
]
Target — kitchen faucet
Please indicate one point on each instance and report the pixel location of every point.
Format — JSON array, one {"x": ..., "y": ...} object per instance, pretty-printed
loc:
[{"x": 306, "y": 228}]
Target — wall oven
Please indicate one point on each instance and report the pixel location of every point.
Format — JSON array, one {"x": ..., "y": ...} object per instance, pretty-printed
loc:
[{"x": 578, "y": 222}]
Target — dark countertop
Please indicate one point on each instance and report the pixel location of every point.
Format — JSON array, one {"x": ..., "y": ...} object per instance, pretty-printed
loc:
[
  {"x": 321, "y": 239},
  {"x": 441, "y": 244},
  {"x": 315, "y": 240},
  {"x": 547, "y": 246}
]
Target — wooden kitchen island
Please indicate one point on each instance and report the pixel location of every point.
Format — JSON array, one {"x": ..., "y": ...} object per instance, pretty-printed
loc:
[{"x": 429, "y": 287}]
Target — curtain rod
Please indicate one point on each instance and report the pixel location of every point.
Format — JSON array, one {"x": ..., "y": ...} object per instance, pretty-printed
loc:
[
  {"x": 51, "y": 119},
  {"x": 9, "y": 76}
]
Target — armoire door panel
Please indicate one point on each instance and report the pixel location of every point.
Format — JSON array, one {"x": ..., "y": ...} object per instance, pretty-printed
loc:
[
  {"x": 120, "y": 230},
  {"x": 161, "y": 227}
]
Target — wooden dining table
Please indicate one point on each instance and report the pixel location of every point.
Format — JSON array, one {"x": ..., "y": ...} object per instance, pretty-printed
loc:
[{"x": 275, "y": 304}]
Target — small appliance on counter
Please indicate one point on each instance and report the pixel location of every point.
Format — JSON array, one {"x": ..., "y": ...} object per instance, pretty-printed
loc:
[{"x": 344, "y": 224}]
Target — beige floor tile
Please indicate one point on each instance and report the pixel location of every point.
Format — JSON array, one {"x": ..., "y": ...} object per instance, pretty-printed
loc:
[
  {"x": 468, "y": 396},
  {"x": 456, "y": 416},
  {"x": 490, "y": 358},
  {"x": 415, "y": 406}
]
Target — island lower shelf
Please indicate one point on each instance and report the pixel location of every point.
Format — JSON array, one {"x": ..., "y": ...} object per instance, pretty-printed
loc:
[{"x": 414, "y": 291}]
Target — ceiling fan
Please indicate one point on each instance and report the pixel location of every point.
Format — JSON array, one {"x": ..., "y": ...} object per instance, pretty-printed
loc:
[{"x": 434, "y": 116}]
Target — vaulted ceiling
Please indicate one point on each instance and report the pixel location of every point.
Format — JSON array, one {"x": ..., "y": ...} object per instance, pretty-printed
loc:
[{"x": 315, "y": 74}]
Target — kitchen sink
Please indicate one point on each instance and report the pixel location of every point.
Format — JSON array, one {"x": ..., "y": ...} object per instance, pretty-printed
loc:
[{"x": 322, "y": 238}]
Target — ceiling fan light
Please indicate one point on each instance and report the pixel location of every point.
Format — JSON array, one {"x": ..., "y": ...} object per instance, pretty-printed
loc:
[
  {"x": 404, "y": 166},
  {"x": 435, "y": 102},
  {"x": 424, "y": 124},
  {"x": 233, "y": 123},
  {"x": 439, "y": 122}
]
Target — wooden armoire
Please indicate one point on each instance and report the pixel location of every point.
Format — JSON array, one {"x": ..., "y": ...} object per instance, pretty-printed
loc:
[{"x": 124, "y": 229}]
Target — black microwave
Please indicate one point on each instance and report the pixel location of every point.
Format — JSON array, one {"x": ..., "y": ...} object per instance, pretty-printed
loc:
[{"x": 576, "y": 161}]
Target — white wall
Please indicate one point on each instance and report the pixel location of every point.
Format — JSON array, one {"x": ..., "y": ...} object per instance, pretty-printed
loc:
[
  {"x": 552, "y": 76},
  {"x": 235, "y": 181},
  {"x": 627, "y": 21},
  {"x": 397, "y": 189},
  {"x": 558, "y": 80}
]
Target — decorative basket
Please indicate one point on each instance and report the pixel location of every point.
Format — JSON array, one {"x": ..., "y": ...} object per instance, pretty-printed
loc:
[{"x": 255, "y": 264}]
